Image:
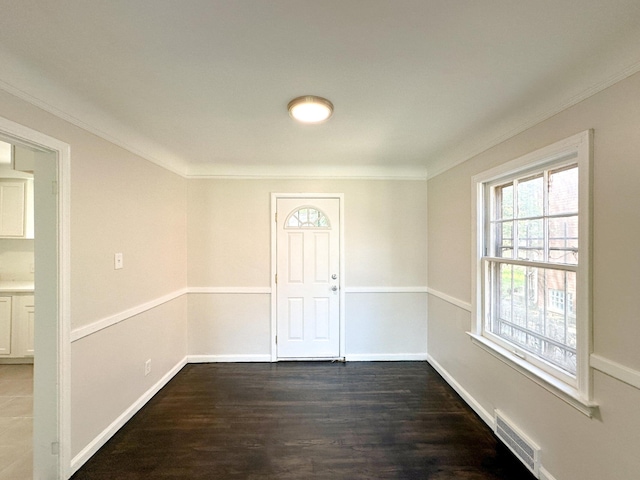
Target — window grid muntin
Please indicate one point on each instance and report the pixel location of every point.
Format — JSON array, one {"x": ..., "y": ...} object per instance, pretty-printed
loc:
[
  {"x": 321, "y": 222},
  {"x": 493, "y": 259},
  {"x": 495, "y": 221}
]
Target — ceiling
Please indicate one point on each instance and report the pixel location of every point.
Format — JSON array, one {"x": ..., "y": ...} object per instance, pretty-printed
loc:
[{"x": 202, "y": 86}]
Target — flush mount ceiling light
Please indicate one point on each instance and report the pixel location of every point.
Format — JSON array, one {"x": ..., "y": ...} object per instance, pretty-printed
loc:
[{"x": 310, "y": 109}]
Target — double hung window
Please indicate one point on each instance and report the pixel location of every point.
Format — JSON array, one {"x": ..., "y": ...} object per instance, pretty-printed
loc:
[{"x": 532, "y": 264}]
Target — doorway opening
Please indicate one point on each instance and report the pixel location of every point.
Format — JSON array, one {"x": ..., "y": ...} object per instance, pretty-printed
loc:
[
  {"x": 48, "y": 161},
  {"x": 16, "y": 316}
]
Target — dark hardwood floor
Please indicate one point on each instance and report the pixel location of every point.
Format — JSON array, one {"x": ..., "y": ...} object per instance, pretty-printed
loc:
[{"x": 390, "y": 420}]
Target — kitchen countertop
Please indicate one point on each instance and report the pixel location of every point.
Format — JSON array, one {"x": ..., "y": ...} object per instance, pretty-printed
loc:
[{"x": 16, "y": 287}]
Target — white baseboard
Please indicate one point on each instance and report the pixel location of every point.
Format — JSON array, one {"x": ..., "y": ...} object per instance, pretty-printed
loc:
[
  {"x": 466, "y": 396},
  {"x": 366, "y": 357},
  {"x": 386, "y": 357},
  {"x": 543, "y": 474},
  {"x": 228, "y": 358},
  {"x": 87, "y": 452}
]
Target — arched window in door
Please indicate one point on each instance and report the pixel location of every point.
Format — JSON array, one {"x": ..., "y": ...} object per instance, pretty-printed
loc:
[{"x": 307, "y": 217}]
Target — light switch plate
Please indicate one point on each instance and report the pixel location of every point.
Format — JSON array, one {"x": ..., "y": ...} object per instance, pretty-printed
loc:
[{"x": 118, "y": 261}]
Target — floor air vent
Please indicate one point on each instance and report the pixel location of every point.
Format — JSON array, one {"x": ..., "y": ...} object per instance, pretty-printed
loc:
[{"x": 519, "y": 444}]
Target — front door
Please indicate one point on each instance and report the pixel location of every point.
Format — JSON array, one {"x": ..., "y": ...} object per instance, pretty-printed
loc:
[{"x": 308, "y": 283}]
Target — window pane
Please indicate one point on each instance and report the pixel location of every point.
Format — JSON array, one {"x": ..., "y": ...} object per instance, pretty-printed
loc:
[
  {"x": 519, "y": 296},
  {"x": 535, "y": 308},
  {"x": 563, "y": 240},
  {"x": 530, "y": 197},
  {"x": 505, "y": 196},
  {"x": 505, "y": 302},
  {"x": 561, "y": 303},
  {"x": 537, "y": 312},
  {"x": 530, "y": 240},
  {"x": 563, "y": 191},
  {"x": 561, "y": 317},
  {"x": 504, "y": 239},
  {"x": 307, "y": 217}
]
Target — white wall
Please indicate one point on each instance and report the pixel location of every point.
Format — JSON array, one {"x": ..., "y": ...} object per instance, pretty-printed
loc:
[
  {"x": 573, "y": 445},
  {"x": 119, "y": 203},
  {"x": 229, "y": 248},
  {"x": 16, "y": 260},
  {"x": 107, "y": 371}
]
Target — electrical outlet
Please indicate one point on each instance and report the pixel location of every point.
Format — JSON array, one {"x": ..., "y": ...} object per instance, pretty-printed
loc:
[
  {"x": 147, "y": 367},
  {"x": 118, "y": 261}
]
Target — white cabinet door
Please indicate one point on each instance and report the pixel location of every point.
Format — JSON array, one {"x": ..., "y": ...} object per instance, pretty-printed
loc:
[
  {"x": 27, "y": 317},
  {"x": 12, "y": 208},
  {"x": 17, "y": 315},
  {"x": 5, "y": 325},
  {"x": 23, "y": 325}
]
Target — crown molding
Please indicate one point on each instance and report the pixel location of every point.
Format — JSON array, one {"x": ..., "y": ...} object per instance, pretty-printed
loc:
[
  {"x": 302, "y": 172},
  {"x": 32, "y": 86},
  {"x": 454, "y": 159}
]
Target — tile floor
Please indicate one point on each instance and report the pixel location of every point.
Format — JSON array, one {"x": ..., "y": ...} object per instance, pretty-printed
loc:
[{"x": 16, "y": 422}]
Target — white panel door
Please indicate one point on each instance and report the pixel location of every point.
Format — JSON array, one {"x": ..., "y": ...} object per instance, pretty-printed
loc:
[{"x": 308, "y": 268}]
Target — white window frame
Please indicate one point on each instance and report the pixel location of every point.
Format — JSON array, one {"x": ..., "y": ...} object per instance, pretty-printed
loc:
[{"x": 575, "y": 149}]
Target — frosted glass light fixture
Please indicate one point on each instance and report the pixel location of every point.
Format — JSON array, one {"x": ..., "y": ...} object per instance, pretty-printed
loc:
[{"x": 310, "y": 109}]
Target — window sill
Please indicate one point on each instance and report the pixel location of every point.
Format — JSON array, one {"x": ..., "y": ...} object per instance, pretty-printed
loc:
[{"x": 560, "y": 389}]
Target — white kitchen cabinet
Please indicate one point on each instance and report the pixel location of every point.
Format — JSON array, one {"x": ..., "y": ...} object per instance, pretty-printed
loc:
[
  {"x": 26, "y": 316},
  {"x": 13, "y": 203},
  {"x": 16, "y": 208},
  {"x": 17, "y": 314},
  {"x": 5, "y": 326}
]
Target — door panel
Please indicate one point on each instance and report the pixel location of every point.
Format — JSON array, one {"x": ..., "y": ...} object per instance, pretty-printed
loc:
[
  {"x": 296, "y": 258},
  {"x": 295, "y": 330},
  {"x": 307, "y": 289},
  {"x": 322, "y": 318}
]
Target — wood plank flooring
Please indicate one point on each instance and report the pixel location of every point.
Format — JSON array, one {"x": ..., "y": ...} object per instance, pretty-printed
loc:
[{"x": 360, "y": 420}]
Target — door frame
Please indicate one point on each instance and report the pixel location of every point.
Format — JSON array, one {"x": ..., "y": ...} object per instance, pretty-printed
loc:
[
  {"x": 274, "y": 260},
  {"x": 52, "y": 366}
]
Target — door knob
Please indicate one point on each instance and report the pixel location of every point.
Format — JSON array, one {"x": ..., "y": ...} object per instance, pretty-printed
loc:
[{"x": 334, "y": 289}]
